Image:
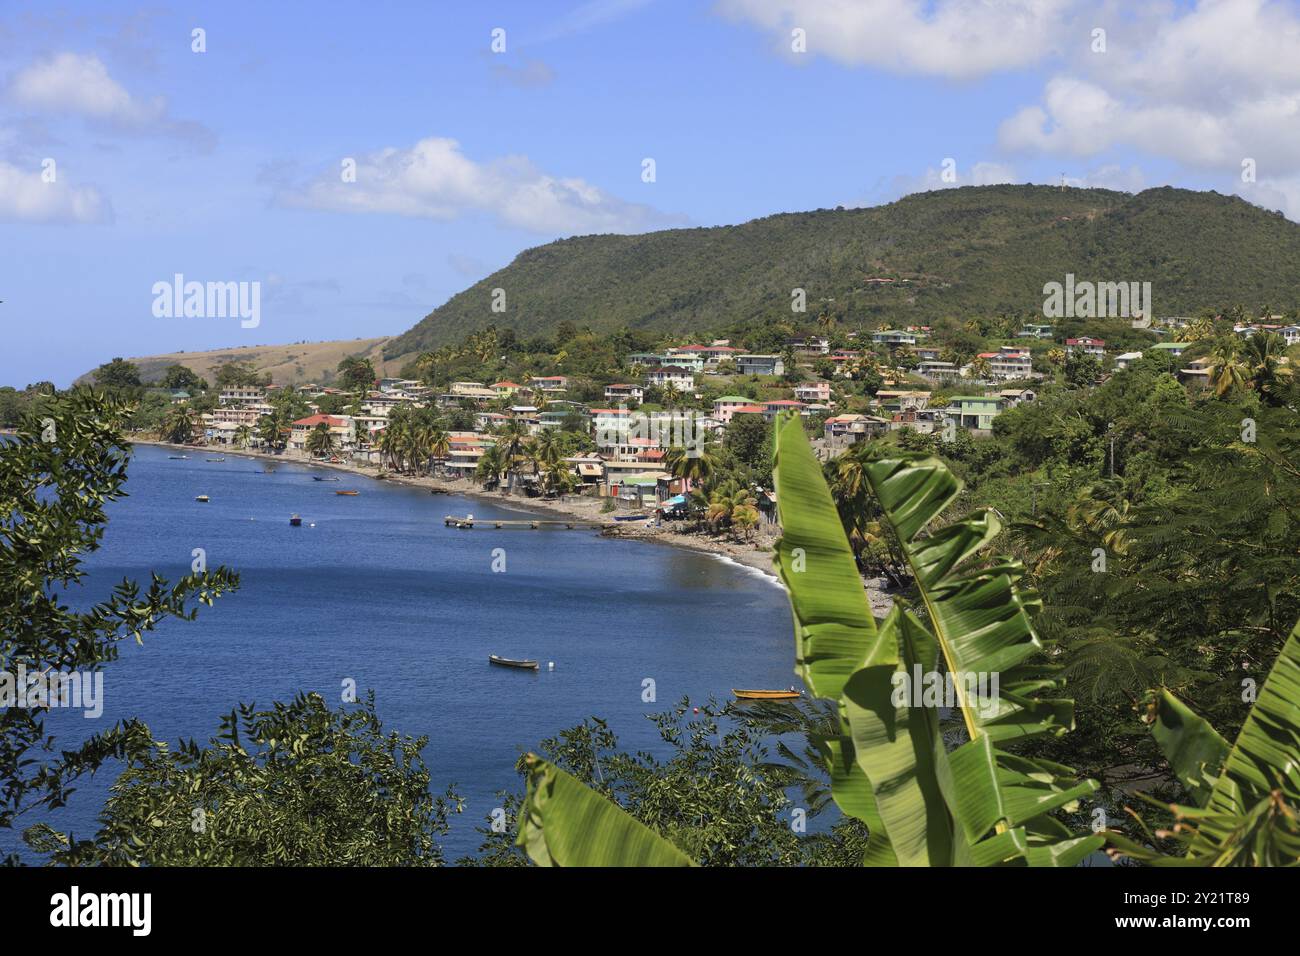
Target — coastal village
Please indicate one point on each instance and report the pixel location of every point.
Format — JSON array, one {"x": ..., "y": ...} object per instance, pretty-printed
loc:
[{"x": 685, "y": 395}]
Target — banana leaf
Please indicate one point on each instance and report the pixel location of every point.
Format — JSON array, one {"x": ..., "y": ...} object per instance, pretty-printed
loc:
[
  {"x": 834, "y": 630},
  {"x": 563, "y": 823},
  {"x": 979, "y": 614},
  {"x": 1194, "y": 749},
  {"x": 1263, "y": 764}
]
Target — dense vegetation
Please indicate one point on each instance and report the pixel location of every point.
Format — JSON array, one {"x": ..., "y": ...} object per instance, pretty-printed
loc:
[{"x": 951, "y": 253}]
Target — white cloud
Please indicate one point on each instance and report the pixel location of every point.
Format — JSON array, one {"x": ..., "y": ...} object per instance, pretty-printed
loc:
[
  {"x": 80, "y": 85},
  {"x": 433, "y": 179},
  {"x": 73, "y": 83},
  {"x": 1210, "y": 87},
  {"x": 1282, "y": 195},
  {"x": 26, "y": 197},
  {"x": 950, "y": 38}
]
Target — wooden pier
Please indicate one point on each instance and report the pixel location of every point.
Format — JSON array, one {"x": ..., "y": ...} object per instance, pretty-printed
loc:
[{"x": 469, "y": 521}]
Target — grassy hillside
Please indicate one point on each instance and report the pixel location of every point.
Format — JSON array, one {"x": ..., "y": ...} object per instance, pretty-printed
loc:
[
  {"x": 287, "y": 364},
  {"x": 972, "y": 250}
]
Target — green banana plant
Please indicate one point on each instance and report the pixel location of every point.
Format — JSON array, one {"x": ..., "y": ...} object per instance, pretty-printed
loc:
[
  {"x": 564, "y": 823},
  {"x": 923, "y": 805},
  {"x": 1245, "y": 795},
  {"x": 889, "y": 766}
]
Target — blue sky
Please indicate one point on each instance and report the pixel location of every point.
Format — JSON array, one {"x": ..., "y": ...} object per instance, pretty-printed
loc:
[{"x": 225, "y": 165}]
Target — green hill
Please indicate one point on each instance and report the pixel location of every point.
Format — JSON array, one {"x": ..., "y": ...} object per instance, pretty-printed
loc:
[{"x": 954, "y": 252}]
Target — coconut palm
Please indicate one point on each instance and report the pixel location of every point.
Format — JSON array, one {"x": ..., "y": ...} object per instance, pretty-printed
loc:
[
  {"x": 321, "y": 442},
  {"x": 268, "y": 432},
  {"x": 695, "y": 465},
  {"x": 179, "y": 424},
  {"x": 489, "y": 468},
  {"x": 1228, "y": 373},
  {"x": 1263, "y": 356},
  {"x": 557, "y": 478},
  {"x": 512, "y": 440},
  {"x": 243, "y": 436}
]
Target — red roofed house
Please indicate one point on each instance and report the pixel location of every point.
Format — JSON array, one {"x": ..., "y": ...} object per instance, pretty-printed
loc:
[
  {"x": 1087, "y": 345},
  {"x": 341, "y": 426}
]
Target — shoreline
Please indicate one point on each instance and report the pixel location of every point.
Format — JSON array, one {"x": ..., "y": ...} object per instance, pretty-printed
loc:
[
  {"x": 755, "y": 556},
  {"x": 574, "y": 506}
]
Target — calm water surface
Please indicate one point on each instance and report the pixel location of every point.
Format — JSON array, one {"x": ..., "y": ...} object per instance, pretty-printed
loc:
[{"x": 379, "y": 591}]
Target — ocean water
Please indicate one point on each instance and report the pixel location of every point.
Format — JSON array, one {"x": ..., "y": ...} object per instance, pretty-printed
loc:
[{"x": 375, "y": 589}]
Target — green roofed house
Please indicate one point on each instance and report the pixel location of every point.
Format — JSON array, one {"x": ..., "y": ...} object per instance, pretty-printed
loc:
[
  {"x": 974, "y": 412},
  {"x": 1172, "y": 348}
]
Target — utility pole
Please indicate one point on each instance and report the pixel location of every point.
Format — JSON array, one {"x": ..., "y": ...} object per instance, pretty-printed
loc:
[{"x": 1111, "y": 428}]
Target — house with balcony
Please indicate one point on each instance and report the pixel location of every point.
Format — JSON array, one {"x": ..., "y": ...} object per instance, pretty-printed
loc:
[
  {"x": 549, "y": 383},
  {"x": 772, "y": 409},
  {"x": 728, "y": 405},
  {"x": 760, "y": 365},
  {"x": 813, "y": 392},
  {"x": 624, "y": 393},
  {"x": 243, "y": 395},
  {"x": 973, "y": 412},
  {"x": 1009, "y": 364},
  {"x": 937, "y": 371},
  {"x": 711, "y": 354},
  {"x": 895, "y": 338},
  {"x": 342, "y": 427},
  {"x": 1035, "y": 332},
  {"x": 680, "y": 378},
  {"x": 851, "y": 429},
  {"x": 1086, "y": 345}
]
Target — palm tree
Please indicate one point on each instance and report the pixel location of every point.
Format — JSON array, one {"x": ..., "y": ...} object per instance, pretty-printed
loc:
[
  {"x": 1263, "y": 358},
  {"x": 1228, "y": 372},
  {"x": 512, "y": 440},
  {"x": 321, "y": 442},
  {"x": 268, "y": 432},
  {"x": 437, "y": 443},
  {"x": 695, "y": 466},
  {"x": 243, "y": 436},
  {"x": 489, "y": 468},
  {"x": 178, "y": 426},
  {"x": 557, "y": 478}
]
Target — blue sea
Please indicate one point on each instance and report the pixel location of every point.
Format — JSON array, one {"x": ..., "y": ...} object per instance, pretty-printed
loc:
[{"x": 375, "y": 589}]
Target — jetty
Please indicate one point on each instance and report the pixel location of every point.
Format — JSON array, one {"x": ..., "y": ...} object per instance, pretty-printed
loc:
[{"x": 469, "y": 522}]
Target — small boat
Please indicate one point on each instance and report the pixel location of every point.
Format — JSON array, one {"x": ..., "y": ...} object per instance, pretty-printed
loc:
[
  {"x": 214, "y": 459},
  {"x": 202, "y": 498},
  {"x": 323, "y": 478},
  {"x": 347, "y": 492},
  {"x": 295, "y": 520},
  {"x": 179, "y": 457},
  {"x": 767, "y": 694},
  {"x": 632, "y": 517},
  {"x": 507, "y": 662}
]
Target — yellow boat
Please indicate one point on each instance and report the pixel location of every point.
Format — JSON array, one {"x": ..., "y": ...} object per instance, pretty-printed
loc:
[
  {"x": 347, "y": 492},
  {"x": 767, "y": 694}
]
